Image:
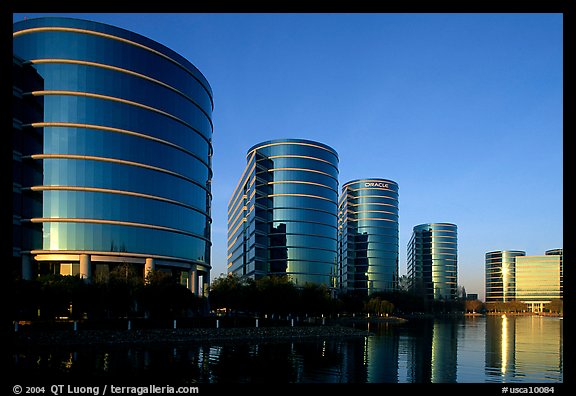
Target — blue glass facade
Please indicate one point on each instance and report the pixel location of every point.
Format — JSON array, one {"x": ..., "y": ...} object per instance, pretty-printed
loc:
[
  {"x": 282, "y": 217},
  {"x": 368, "y": 236},
  {"x": 127, "y": 147},
  {"x": 25, "y": 141},
  {"x": 433, "y": 261}
]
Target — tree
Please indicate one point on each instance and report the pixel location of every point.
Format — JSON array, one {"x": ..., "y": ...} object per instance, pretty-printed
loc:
[
  {"x": 163, "y": 297},
  {"x": 473, "y": 305},
  {"x": 378, "y": 306},
  {"x": 314, "y": 298},
  {"x": 557, "y": 306},
  {"x": 230, "y": 292},
  {"x": 276, "y": 294}
]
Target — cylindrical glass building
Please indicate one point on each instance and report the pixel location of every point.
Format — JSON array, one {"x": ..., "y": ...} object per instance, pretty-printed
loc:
[
  {"x": 501, "y": 275},
  {"x": 433, "y": 261},
  {"x": 282, "y": 217},
  {"x": 368, "y": 236},
  {"x": 127, "y": 150}
]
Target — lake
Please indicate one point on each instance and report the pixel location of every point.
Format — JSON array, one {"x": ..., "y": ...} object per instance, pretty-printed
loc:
[{"x": 492, "y": 349}]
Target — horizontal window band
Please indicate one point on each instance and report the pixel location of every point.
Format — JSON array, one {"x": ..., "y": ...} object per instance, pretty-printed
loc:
[
  {"x": 232, "y": 233},
  {"x": 271, "y": 157},
  {"x": 126, "y": 255},
  {"x": 371, "y": 211},
  {"x": 119, "y": 192},
  {"x": 359, "y": 197},
  {"x": 118, "y": 130},
  {"x": 247, "y": 170},
  {"x": 300, "y": 247},
  {"x": 349, "y": 204},
  {"x": 113, "y": 222},
  {"x": 292, "y": 143},
  {"x": 372, "y": 218},
  {"x": 117, "y": 161},
  {"x": 287, "y": 222},
  {"x": 302, "y": 235},
  {"x": 240, "y": 210},
  {"x": 300, "y": 170},
  {"x": 269, "y": 211},
  {"x": 295, "y": 261},
  {"x": 112, "y": 37},
  {"x": 119, "y": 100},
  {"x": 296, "y": 195},
  {"x": 241, "y": 217},
  {"x": 297, "y": 182},
  {"x": 125, "y": 71},
  {"x": 236, "y": 201}
]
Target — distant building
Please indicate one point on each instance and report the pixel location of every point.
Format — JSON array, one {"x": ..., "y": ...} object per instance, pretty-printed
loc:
[
  {"x": 433, "y": 261},
  {"x": 368, "y": 236},
  {"x": 539, "y": 279},
  {"x": 471, "y": 296},
  {"x": 125, "y": 162},
  {"x": 282, "y": 216},
  {"x": 534, "y": 280},
  {"x": 501, "y": 275}
]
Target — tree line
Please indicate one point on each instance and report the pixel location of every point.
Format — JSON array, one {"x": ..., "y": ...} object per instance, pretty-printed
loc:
[
  {"x": 123, "y": 295},
  {"x": 278, "y": 294}
]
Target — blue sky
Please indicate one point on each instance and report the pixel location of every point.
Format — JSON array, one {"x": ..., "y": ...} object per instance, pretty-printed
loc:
[{"x": 463, "y": 111}]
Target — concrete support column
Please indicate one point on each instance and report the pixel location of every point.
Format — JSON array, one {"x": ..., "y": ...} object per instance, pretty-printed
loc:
[
  {"x": 27, "y": 271},
  {"x": 193, "y": 281},
  {"x": 150, "y": 265},
  {"x": 86, "y": 268}
]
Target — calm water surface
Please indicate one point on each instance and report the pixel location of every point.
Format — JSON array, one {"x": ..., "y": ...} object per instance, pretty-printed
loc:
[{"x": 472, "y": 349}]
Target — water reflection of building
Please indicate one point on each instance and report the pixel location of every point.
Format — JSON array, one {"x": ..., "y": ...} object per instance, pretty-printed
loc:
[
  {"x": 382, "y": 356},
  {"x": 433, "y": 352},
  {"x": 524, "y": 346},
  {"x": 444, "y": 352},
  {"x": 500, "y": 335},
  {"x": 355, "y": 360}
]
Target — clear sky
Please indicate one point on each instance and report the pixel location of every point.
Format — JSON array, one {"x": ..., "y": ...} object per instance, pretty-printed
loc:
[{"x": 463, "y": 111}]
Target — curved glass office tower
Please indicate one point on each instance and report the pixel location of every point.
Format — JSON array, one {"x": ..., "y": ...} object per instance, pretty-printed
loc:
[
  {"x": 433, "y": 261},
  {"x": 127, "y": 151},
  {"x": 282, "y": 217},
  {"x": 501, "y": 275},
  {"x": 368, "y": 236}
]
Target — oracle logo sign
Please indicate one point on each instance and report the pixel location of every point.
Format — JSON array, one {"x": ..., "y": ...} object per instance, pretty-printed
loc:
[{"x": 376, "y": 184}]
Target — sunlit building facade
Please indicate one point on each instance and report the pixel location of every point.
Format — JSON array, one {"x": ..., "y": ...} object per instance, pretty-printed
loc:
[
  {"x": 433, "y": 261},
  {"x": 126, "y": 153},
  {"x": 500, "y": 281},
  {"x": 368, "y": 236},
  {"x": 539, "y": 279},
  {"x": 282, "y": 216}
]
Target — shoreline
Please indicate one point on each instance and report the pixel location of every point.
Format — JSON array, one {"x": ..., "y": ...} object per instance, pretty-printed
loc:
[{"x": 184, "y": 335}]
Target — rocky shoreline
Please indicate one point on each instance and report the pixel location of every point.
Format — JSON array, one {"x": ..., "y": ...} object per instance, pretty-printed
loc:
[{"x": 187, "y": 335}]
